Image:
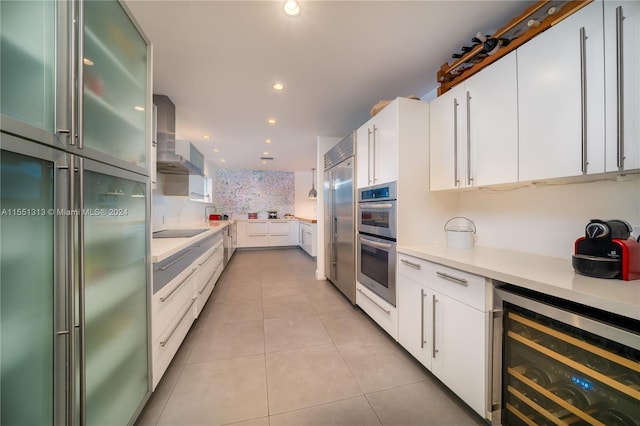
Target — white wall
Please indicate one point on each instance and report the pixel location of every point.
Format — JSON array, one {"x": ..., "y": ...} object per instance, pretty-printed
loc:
[
  {"x": 547, "y": 220},
  {"x": 304, "y": 207}
]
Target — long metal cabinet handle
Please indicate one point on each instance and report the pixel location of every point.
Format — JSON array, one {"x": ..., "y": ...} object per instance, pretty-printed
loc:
[
  {"x": 208, "y": 257},
  {"x": 82, "y": 359},
  {"x": 434, "y": 351},
  {"x": 376, "y": 244},
  {"x": 620, "y": 87},
  {"x": 469, "y": 178},
  {"x": 210, "y": 279},
  {"x": 80, "y": 77},
  {"x": 377, "y": 206},
  {"x": 386, "y": 311},
  {"x": 168, "y": 296},
  {"x": 583, "y": 99},
  {"x": 456, "y": 181},
  {"x": 413, "y": 265},
  {"x": 422, "y": 296},
  {"x": 451, "y": 278},
  {"x": 164, "y": 342},
  {"x": 369, "y": 155},
  {"x": 374, "y": 153},
  {"x": 71, "y": 296},
  {"x": 165, "y": 267}
]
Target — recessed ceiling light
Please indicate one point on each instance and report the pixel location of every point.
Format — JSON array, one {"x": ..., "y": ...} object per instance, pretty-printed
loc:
[
  {"x": 291, "y": 8},
  {"x": 216, "y": 150},
  {"x": 267, "y": 141},
  {"x": 138, "y": 108},
  {"x": 265, "y": 153},
  {"x": 264, "y": 162},
  {"x": 222, "y": 160},
  {"x": 277, "y": 86},
  {"x": 271, "y": 121},
  {"x": 206, "y": 137}
]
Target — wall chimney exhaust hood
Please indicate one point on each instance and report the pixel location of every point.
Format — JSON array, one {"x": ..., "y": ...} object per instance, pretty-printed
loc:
[{"x": 175, "y": 159}]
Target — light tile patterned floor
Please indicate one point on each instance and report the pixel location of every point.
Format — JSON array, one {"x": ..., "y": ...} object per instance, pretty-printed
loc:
[{"x": 275, "y": 347}]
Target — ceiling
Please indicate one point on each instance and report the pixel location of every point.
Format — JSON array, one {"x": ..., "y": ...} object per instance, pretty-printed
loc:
[{"x": 217, "y": 61}]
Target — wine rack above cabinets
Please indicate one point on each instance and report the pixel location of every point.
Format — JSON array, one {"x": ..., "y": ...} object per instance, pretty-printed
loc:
[{"x": 555, "y": 373}]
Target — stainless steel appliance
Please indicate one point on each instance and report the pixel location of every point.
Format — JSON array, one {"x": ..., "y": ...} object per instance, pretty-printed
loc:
[
  {"x": 339, "y": 216},
  {"x": 377, "y": 266},
  {"x": 377, "y": 210},
  {"x": 376, "y": 252},
  {"x": 559, "y": 362},
  {"x": 229, "y": 241}
]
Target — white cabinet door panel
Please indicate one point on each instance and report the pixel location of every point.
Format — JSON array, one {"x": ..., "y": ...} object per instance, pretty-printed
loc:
[
  {"x": 459, "y": 354},
  {"x": 493, "y": 124},
  {"x": 550, "y": 98}
]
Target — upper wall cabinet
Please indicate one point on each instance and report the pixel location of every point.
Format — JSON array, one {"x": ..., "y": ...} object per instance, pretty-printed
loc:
[
  {"x": 561, "y": 98},
  {"x": 474, "y": 130},
  {"x": 399, "y": 129},
  {"x": 377, "y": 148},
  {"x": 75, "y": 75},
  {"x": 622, "y": 71}
]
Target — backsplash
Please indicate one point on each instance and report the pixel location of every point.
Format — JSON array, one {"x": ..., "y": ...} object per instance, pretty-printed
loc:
[{"x": 243, "y": 191}]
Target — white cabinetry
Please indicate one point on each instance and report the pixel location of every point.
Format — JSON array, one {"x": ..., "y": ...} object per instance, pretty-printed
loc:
[
  {"x": 257, "y": 233},
  {"x": 414, "y": 312},
  {"x": 278, "y": 233},
  {"x": 622, "y": 71},
  {"x": 474, "y": 130},
  {"x": 561, "y": 98},
  {"x": 443, "y": 321},
  {"x": 382, "y": 312},
  {"x": 294, "y": 233},
  {"x": 376, "y": 148},
  {"x": 173, "y": 314},
  {"x": 308, "y": 238},
  {"x": 209, "y": 268}
]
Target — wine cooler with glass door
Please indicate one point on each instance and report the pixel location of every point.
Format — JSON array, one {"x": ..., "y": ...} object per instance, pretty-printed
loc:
[{"x": 560, "y": 363}]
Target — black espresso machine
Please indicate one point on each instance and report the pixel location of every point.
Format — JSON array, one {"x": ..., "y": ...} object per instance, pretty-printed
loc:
[{"x": 607, "y": 251}]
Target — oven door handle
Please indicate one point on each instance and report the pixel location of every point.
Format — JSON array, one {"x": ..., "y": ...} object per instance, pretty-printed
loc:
[
  {"x": 367, "y": 242},
  {"x": 376, "y": 206}
]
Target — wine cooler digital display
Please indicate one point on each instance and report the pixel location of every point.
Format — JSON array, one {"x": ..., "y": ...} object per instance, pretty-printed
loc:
[{"x": 555, "y": 373}]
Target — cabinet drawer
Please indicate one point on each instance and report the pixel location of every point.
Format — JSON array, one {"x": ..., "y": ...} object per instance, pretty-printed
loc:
[
  {"x": 207, "y": 289},
  {"x": 259, "y": 227},
  {"x": 467, "y": 288},
  {"x": 385, "y": 315},
  {"x": 279, "y": 240},
  {"x": 207, "y": 268},
  {"x": 168, "y": 302},
  {"x": 257, "y": 240},
  {"x": 413, "y": 268},
  {"x": 167, "y": 343},
  {"x": 279, "y": 227}
]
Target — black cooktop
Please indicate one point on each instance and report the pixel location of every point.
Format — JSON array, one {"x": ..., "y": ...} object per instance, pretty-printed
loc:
[{"x": 178, "y": 233}]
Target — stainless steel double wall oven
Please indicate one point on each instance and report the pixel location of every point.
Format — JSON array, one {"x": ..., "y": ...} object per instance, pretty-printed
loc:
[{"x": 377, "y": 225}]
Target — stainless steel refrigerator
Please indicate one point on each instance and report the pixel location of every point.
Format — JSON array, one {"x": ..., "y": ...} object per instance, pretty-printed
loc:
[
  {"x": 339, "y": 217},
  {"x": 75, "y": 130}
]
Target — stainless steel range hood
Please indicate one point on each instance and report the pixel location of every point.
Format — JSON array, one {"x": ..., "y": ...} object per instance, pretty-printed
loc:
[{"x": 169, "y": 161}]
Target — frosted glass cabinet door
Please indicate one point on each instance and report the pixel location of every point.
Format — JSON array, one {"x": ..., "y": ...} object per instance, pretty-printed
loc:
[
  {"x": 115, "y": 83},
  {"x": 115, "y": 297},
  {"x": 26, "y": 290},
  {"x": 27, "y": 60}
]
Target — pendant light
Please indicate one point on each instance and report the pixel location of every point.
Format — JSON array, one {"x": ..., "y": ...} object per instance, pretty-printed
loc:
[{"x": 313, "y": 194}]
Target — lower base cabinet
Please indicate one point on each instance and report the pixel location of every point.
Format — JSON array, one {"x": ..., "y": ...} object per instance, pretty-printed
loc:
[
  {"x": 459, "y": 357},
  {"x": 177, "y": 305},
  {"x": 443, "y": 321}
]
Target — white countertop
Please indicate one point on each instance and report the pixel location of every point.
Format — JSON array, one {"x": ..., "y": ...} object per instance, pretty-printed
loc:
[
  {"x": 548, "y": 275},
  {"x": 162, "y": 248}
]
